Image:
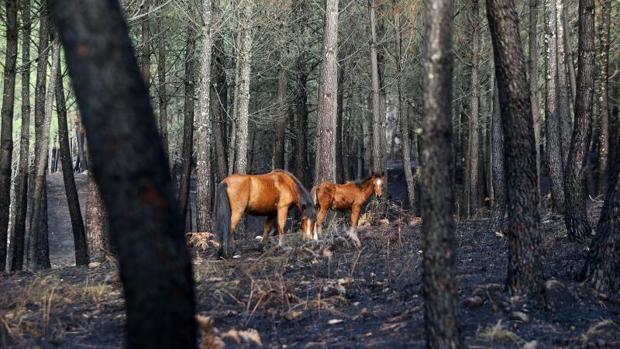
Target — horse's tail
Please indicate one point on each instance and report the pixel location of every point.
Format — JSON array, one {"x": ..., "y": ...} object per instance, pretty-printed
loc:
[
  {"x": 222, "y": 218},
  {"x": 313, "y": 194}
]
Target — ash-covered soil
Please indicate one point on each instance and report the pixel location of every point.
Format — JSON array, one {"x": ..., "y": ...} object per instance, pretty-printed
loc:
[{"x": 328, "y": 294}]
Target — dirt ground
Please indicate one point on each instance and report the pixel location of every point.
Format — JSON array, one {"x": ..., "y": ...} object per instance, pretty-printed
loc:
[{"x": 328, "y": 294}]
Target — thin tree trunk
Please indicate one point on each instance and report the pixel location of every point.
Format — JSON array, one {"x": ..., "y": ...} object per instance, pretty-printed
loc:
[
  {"x": 300, "y": 27},
  {"x": 604, "y": 36},
  {"x": 245, "y": 63},
  {"x": 564, "y": 114},
  {"x": 39, "y": 250},
  {"x": 145, "y": 52},
  {"x": 161, "y": 82},
  {"x": 325, "y": 159},
  {"x": 524, "y": 275},
  {"x": 473, "y": 148},
  {"x": 219, "y": 94},
  {"x": 576, "y": 216},
  {"x": 6, "y": 137},
  {"x": 377, "y": 155},
  {"x": 569, "y": 59},
  {"x": 97, "y": 227},
  {"x": 155, "y": 268},
  {"x": 533, "y": 78},
  {"x": 188, "y": 121},
  {"x": 73, "y": 201},
  {"x": 497, "y": 163},
  {"x": 552, "y": 119},
  {"x": 203, "y": 127},
  {"x": 339, "y": 119},
  {"x": 21, "y": 180},
  {"x": 439, "y": 281},
  {"x": 282, "y": 86},
  {"x": 403, "y": 115}
]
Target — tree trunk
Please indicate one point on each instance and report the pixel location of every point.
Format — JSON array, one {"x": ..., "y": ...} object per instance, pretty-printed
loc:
[
  {"x": 135, "y": 184},
  {"x": 576, "y": 216},
  {"x": 300, "y": 27},
  {"x": 569, "y": 59},
  {"x": 473, "y": 149},
  {"x": 497, "y": 163},
  {"x": 161, "y": 82},
  {"x": 40, "y": 254},
  {"x": 188, "y": 121},
  {"x": 203, "y": 127},
  {"x": 524, "y": 275},
  {"x": 73, "y": 201},
  {"x": 604, "y": 35},
  {"x": 403, "y": 115},
  {"x": 602, "y": 267},
  {"x": 145, "y": 52},
  {"x": 440, "y": 289},
  {"x": 339, "y": 119},
  {"x": 6, "y": 137},
  {"x": 219, "y": 94},
  {"x": 21, "y": 180},
  {"x": 377, "y": 116},
  {"x": 97, "y": 227},
  {"x": 533, "y": 78},
  {"x": 245, "y": 66},
  {"x": 552, "y": 119},
  {"x": 563, "y": 106},
  {"x": 325, "y": 159},
  {"x": 282, "y": 92}
]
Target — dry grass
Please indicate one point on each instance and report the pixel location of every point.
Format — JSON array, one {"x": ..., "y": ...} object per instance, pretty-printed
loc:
[
  {"x": 498, "y": 333},
  {"x": 597, "y": 329}
]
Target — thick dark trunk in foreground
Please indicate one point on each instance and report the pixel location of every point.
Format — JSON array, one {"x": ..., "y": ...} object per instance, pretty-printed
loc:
[
  {"x": 576, "y": 216},
  {"x": 440, "y": 290},
  {"x": 524, "y": 267},
  {"x": 188, "y": 121},
  {"x": 73, "y": 201},
  {"x": 132, "y": 174},
  {"x": 6, "y": 137},
  {"x": 21, "y": 180},
  {"x": 602, "y": 268}
]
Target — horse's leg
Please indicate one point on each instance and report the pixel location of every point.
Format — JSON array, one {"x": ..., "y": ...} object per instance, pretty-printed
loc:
[
  {"x": 355, "y": 216},
  {"x": 268, "y": 226},
  {"x": 282, "y": 215},
  {"x": 320, "y": 218},
  {"x": 234, "y": 221}
]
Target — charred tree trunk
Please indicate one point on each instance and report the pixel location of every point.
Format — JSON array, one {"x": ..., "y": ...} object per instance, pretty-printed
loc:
[
  {"x": 524, "y": 266},
  {"x": 552, "y": 118},
  {"x": 282, "y": 92},
  {"x": 39, "y": 248},
  {"x": 563, "y": 106},
  {"x": 377, "y": 116},
  {"x": 440, "y": 289},
  {"x": 203, "y": 127},
  {"x": 97, "y": 226},
  {"x": 73, "y": 201},
  {"x": 497, "y": 163},
  {"x": 325, "y": 164},
  {"x": 145, "y": 52},
  {"x": 302, "y": 167},
  {"x": 21, "y": 180},
  {"x": 576, "y": 216},
  {"x": 403, "y": 115},
  {"x": 533, "y": 78},
  {"x": 339, "y": 120},
  {"x": 161, "y": 82},
  {"x": 243, "y": 103},
  {"x": 604, "y": 36},
  {"x": 473, "y": 147},
  {"x": 219, "y": 94},
  {"x": 134, "y": 179},
  {"x": 188, "y": 121},
  {"x": 6, "y": 137}
]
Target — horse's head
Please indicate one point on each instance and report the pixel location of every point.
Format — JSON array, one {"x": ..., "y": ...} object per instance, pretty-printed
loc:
[
  {"x": 377, "y": 182},
  {"x": 308, "y": 220}
]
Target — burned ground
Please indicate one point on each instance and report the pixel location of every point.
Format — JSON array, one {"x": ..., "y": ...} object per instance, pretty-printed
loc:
[{"x": 328, "y": 294}]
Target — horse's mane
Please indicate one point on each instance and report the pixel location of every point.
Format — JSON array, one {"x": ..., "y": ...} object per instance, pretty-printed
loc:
[
  {"x": 305, "y": 197},
  {"x": 360, "y": 182}
]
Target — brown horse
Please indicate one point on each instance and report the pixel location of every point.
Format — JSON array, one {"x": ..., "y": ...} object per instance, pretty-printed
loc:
[
  {"x": 271, "y": 194},
  {"x": 344, "y": 197}
]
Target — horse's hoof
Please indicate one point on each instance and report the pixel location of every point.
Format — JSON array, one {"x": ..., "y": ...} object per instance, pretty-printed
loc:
[
  {"x": 258, "y": 238},
  {"x": 237, "y": 256}
]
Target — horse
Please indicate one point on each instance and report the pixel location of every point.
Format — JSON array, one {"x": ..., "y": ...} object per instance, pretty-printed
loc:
[
  {"x": 270, "y": 194},
  {"x": 344, "y": 197}
]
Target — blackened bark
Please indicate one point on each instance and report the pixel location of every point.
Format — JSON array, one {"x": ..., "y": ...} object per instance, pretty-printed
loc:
[
  {"x": 132, "y": 174},
  {"x": 440, "y": 289},
  {"x": 497, "y": 163},
  {"x": 576, "y": 216},
  {"x": 145, "y": 52},
  {"x": 473, "y": 146},
  {"x": 552, "y": 119},
  {"x": 533, "y": 78},
  {"x": 39, "y": 246},
  {"x": 73, "y": 201},
  {"x": 188, "y": 120},
  {"x": 97, "y": 226},
  {"x": 6, "y": 137},
  {"x": 602, "y": 267},
  {"x": 524, "y": 267},
  {"x": 564, "y": 110},
  {"x": 604, "y": 37},
  {"x": 161, "y": 82},
  {"x": 339, "y": 120},
  {"x": 282, "y": 88},
  {"x": 325, "y": 164},
  {"x": 21, "y": 180},
  {"x": 219, "y": 96}
]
